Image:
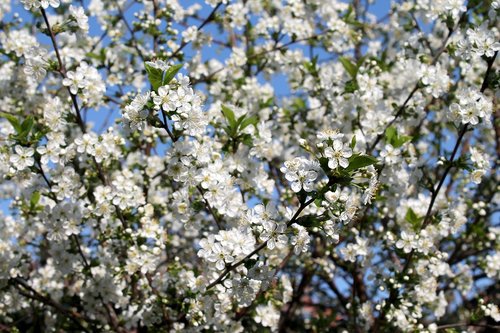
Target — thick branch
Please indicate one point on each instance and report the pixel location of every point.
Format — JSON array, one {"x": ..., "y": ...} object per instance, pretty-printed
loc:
[{"x": 27, "y": 291}]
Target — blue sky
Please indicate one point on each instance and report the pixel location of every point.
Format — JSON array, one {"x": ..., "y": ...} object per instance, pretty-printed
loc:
[
  {"x": 97, "y": 117},
  {"x": 378, "y": 8}
]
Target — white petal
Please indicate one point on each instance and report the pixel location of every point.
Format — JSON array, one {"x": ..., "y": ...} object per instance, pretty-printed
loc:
[
  {"x": 296, "y": 186},
  {"x": 337, "y": 145}
]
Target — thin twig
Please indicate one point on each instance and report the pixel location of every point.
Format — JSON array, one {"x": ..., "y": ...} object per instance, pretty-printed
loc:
[
  {"x": 209, "y": 18},
  {"x": 62, "y": 71},
  {"x": 231, "y": 267},
  {"x": 427, "y": 219},
  {"x": 27, "y": 291},
  {"x": 210, "y": 209},
  {"x": 402, "y": 108}
]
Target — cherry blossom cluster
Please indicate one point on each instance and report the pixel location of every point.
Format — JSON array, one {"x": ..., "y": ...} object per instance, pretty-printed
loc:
[{"x": 249, "y": 166}]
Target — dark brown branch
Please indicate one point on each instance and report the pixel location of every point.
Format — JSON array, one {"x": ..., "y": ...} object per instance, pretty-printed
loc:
[
  {"x": 231, "y": 267},
  {"x": 130, "y": 30},
  {"x": 264, "y": 52},
  {"x": 307, "y": 276},
  {"x": 342, "y": 299},
  {"x": 62, "y": 71},
  {"x": 402, "y": 108},
  {"x": 209, "y": 18},
  {"x": 442, "y": 327},
  {"x": 27, "y": 291},
  {"x": 210, "y": 209},
  {"x": 427, "y": 219}
]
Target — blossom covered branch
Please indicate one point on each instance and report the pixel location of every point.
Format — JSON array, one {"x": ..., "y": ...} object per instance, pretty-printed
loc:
[{"x": 249, "y": 165}]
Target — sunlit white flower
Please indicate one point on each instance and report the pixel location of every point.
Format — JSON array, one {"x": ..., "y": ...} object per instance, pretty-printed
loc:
[
  {"x": 338, "y": 155},
  {"x": 23, "y": 157}
]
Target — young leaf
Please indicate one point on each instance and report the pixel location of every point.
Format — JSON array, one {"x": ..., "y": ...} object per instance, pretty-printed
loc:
[
  {"x": 227, "y": 130},
  {"x": 299, "y": 104},
  {"x": 361, "y": 61},
  {"x": 353, "y": 142},
  {"x": 348, "y": 13},
  {"x": 413, "y": 218},
  {"x": 247, "y": 140},
  {"x": 401, "y": 140},
  {"x": 360, "y": 161},
  {"x": 240, "y": 119},
  {"x": 349, "y": 66},
  {"x": 229, "y": 114},
  {"x": 198, "y": 205},
  {"x": 26, "y": 127},
  {"x": 351, "y": 86},
  {"x": 341, "y": 180},
  {"x": 170, "y": 73},
  {"x": 390, "y": 134},
  {"x": 248, "y": 121},
  {"x": 308, "y": 221},
  {"x": 155, "y": 76},
  {"x": 35, "y": 198},
  {"x": 318, "y": 202},
  {"x": 12, "y": 120},
  {"x": 392, "y": 137}
]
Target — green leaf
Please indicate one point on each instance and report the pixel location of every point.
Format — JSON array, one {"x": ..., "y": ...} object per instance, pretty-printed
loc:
[
  {"x": 349, "y": 66},
  {"x": 355, "y": 23},
  {"x": 100, "y": 57},
  {"x": 253, "y": 120},
  {"x": 240, "y": 119},
  {"x": 461, "y": 163},
  {"x": 37, "y": 135},
  {"x": 170, "y": 73},
  {"x": 26, "y": 127},
  {"x": 390, "y": 134},
  {"x": 158, "y": 77},
  {"x": 310, "y": 66},
  {"x": 267, "y": 103},
  {"x": 249, "y": 263},
  {"x": 247, "y": 140},
  {"x": 413, "y": 219},
  {"x": 360, "y": 161},
  {"x": 308, "y": 221},
  {"x": 323, "y": 162},
  {"x": 155, "y": 76},
  {"x": 35, "y": 198},
  {"x": 198, "y": 205},
  {"x": 341, "y": 180},
  {"x": 361, "y": 61},
  {"x": 227, "y": 130},
  {"x": 299, "y": 104},
  {"x": 12, "y": 120},
  {"x": 229, "y": 115},
  {"x": 392, "y": 137},
  {"x": 348, "y": 13},
  {"x": 351, "y": 86},
  {"x": 401, "y": 140},
  {"x": 411, "y": 216},
  {"x": 353, "y": 142}
]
